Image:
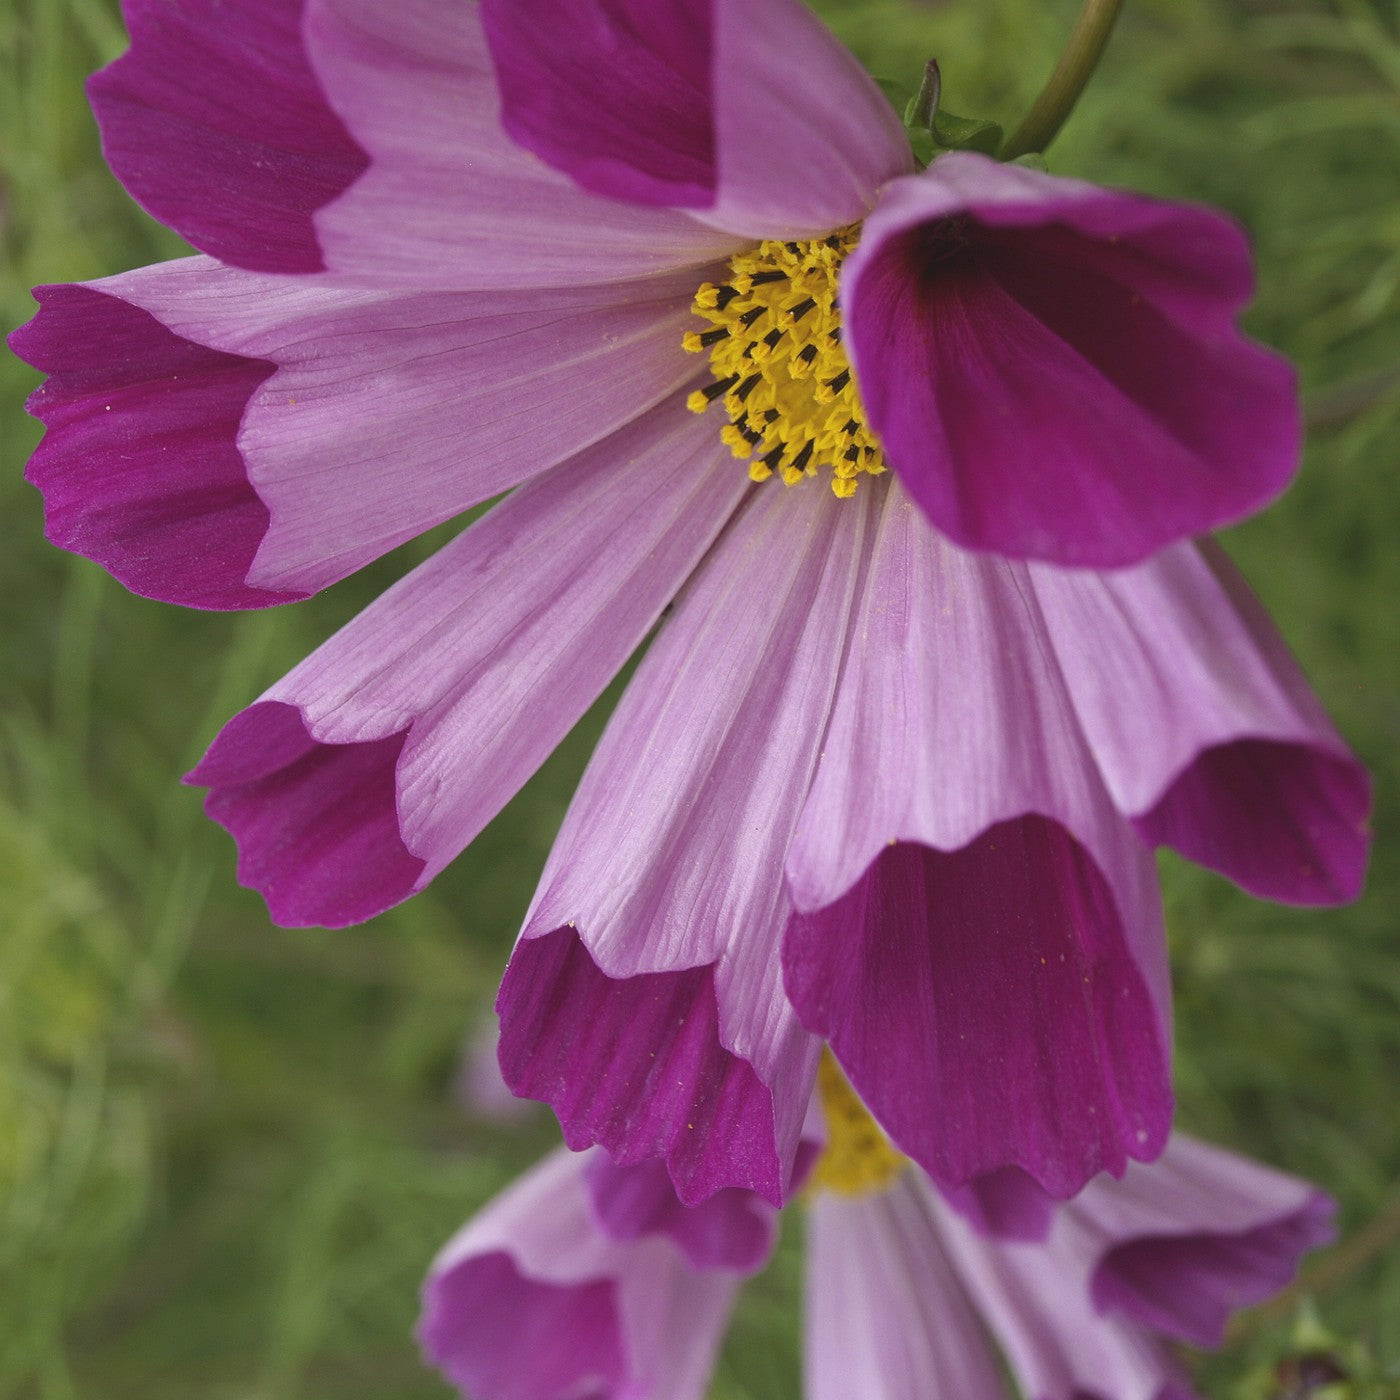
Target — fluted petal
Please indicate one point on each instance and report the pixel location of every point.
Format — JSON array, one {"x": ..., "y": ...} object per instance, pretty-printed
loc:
[
  {"x": 1180, "y": 1246},
  {"x": 1033, "y": 1300},
  {"x": 373, "y": 389},
  {"x": 1204, "y": 728},
  {"x": 732, "y": 1230},
  {"x": 216, "y": 125},
  {"x": 670, "y": 858},
  {"x": 887, "y": 1318},
  {"x": 978, "y": 931},
  {"x": 531, "y": 1301},
  {"x": 139, "y": 466},
  {"x": 804, "y": 138},
  {"x": 422, "y": 717},
  {"x": 1054, "y": 369},
  {"x": 616, "y": 94},
  {"x": 449, "y": 201},
  {"x": 751, "y": 115}
]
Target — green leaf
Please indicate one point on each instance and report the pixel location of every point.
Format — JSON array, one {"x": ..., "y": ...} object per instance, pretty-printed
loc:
[{"x": 952, "y": 133}]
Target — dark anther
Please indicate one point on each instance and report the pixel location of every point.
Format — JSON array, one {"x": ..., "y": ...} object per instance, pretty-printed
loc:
[
  {"x": 715, "y": 336},
  {"x": 803, "y": 457},
  {"x": 760, "y": 279},
  {"x": 840, "y": 382},
  {"x": 750, "y": 316},
  {"x": 808, "y": 353},
  {"x": 802, "y": 308},
  {"x": 720, "y": 386},
  {"x": 747, "y": 387}
]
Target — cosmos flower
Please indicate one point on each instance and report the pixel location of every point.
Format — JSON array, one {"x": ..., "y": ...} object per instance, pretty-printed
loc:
[
  {"x": 585, "y": 1278},
  {"x": 891, "y": 771}
]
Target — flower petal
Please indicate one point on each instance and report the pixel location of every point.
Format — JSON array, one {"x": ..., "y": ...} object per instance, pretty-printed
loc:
[
  {"x": 215, "y": 124},
  {"x": 126, "y": 400},
  {"x": 750, "y": 114},
  {"x": 373, "y": 390},
  {"x": 499, "y": 1335},
  {"x": 530, "y": 1301},
  {"x": 613, "y": 93},
  {"x": 449, "y": 200},
  {"x": 1006, "y": 1203},
  {"x": 671, "y": 855},
  {"x": 449, "y": 691},
  {"x": 638, "y": 1065},
  {"x": 986, "y": 1006},
  {"x": 1033, "y": 1300},
  {"x": 978, "y": 931},
  {"x": 1205, "y": 730},
  {"x": 804, "y": 138},
  {"x": 887, "y": 1318},
  {"x": 732, "y": 1230},
  {"x": 1181, "y": 1245},
  {"x": 1054, "y": 369}
]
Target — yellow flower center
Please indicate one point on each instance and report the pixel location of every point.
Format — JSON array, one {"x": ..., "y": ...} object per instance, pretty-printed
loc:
[
  {"x": 858, "y": 1157},
  {"x": 778, "y": 365}
]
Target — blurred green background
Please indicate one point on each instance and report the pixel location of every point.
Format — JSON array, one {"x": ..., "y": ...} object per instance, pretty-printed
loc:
[{"x": 228, "y": 1152}]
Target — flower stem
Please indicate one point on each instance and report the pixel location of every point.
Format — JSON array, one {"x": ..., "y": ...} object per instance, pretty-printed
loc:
[{"x": 1059, "y": 95}]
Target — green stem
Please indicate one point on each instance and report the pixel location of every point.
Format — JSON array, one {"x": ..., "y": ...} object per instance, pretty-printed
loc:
[{"x": 1059, "y": 95}]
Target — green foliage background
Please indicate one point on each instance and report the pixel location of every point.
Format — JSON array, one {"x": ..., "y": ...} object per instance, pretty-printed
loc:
[{"x": 227, "y": 1152}]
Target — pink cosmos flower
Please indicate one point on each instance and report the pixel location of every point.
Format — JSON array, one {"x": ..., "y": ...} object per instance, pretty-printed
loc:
[
  {"x": 891, "y": 772},
  {"x": 586, "y": 1278}
]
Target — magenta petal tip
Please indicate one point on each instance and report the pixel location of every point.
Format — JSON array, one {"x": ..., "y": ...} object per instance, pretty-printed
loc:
[
  {"x": 216, "y": 126},
  {"x": 635, "y": 1064},
  {"x": 127, "y": 400},
  {"x": 1055, "y": 371},
  {"x": 316, "y": 824}
]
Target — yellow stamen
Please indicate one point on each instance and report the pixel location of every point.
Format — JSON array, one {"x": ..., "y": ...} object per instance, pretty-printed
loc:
[
  {"x": 779, "y": 367},
  {"x": 858, "y": 1157}
]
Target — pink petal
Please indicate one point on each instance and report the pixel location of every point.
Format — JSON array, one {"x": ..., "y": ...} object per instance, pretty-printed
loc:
[
  {"x": 1006, "y": 1203},
  {"x": 1054, "y": 369},
  {"x": 887, "y": 1318},
  {"x": 376, "y": 390},
  {"x": 498, "y": 1335},
  {"x": 613, "y": 93},
  {"x": 531, "y": 1301},
  {"x": 449, "y": 200},
  {"x": 451, "y": 689},
  {"x": 987, "y": 1007},
  {"x": 978, "y": 931},
  {"x": 804, "y": 138},
  {"x": 1034, "y": 1301},
  {"x": 1205, "y": 730},
  {"x": 671, "y": 855},
  {"x": 1181, "y": 1245},
  {"x": 638, "y": 1065},
  {"x": 215, "y": 124},
  {"x": 139, "y": 467},
  {"x": 750, "y": 114},
  {"x": 732, "y": 1230}
]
